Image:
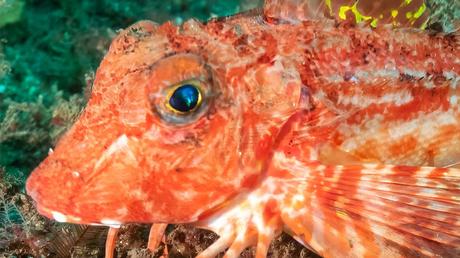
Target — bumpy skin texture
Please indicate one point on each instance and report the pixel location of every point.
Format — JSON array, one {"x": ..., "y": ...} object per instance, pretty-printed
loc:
[{"x": 311, "y": 126}]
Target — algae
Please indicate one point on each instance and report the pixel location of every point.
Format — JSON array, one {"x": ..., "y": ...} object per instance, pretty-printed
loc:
[
  {"x": 10, "y": 11},
  {"x": 445, "y": 15}
]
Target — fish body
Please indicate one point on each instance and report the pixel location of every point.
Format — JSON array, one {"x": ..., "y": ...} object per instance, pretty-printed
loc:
[{"x": 344, "y": 135}]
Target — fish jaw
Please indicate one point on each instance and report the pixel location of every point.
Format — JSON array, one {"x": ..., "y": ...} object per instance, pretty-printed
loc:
[
  {"x": 116, "y": 188},
  {"x": 65, "y": 191}
]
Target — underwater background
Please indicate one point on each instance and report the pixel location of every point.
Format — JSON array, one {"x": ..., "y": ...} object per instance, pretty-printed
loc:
[{"x": 49, "y": 51}]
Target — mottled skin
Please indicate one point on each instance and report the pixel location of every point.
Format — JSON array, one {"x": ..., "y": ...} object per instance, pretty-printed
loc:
[{"x": 308, "y": 125}]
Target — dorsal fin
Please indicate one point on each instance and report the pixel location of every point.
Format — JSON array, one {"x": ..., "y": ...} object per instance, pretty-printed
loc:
[
  {"x": 294, "y": 10},
  {"x": 400, "y": 13}
]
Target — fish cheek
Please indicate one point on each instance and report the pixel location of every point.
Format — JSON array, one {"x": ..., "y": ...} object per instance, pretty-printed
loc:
[{"x": 191, "y": 170}]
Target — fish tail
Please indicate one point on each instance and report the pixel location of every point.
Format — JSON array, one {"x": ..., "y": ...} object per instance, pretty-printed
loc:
[{"x": 374, "y": 210}]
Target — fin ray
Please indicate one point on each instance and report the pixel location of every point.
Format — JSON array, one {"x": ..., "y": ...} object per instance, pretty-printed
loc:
[
  {"x": 409, "y": 230},
  {"x": 396, "y": 211}
]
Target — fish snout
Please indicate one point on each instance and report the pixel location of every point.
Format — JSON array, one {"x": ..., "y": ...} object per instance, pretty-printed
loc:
[
  {"x": 104, "y": 188},
  {"x": 53, "y": 187}
]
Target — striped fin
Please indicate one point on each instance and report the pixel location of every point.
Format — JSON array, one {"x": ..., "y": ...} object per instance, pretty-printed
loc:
[
  {"x": 375, "y": 210},
  {"x": 400, "y": 13}
]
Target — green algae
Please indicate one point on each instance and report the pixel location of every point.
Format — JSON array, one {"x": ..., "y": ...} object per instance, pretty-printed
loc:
[
  {"x": 445, "y": 14},
  {"x": 10, "y": 11}
]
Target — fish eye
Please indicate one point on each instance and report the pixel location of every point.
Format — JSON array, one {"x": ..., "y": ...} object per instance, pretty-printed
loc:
[
  {"x": 184, "y": 98},
  {"x": 181, "y": 89},
  {"x": 183, "y": 102}
]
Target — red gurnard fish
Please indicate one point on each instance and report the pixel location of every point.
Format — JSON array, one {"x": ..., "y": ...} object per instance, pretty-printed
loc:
[{"x": 346, "y": 135}]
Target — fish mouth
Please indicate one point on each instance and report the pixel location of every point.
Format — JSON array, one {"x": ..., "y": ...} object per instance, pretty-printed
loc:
[
  {"x": 66, "y": 218},
  {"x": 58, "y": 216}
]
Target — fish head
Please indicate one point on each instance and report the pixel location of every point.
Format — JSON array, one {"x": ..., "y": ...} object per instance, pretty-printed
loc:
[{"x": 180, "y": 120}]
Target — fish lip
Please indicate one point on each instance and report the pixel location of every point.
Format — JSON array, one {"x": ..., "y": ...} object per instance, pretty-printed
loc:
[
  {"x": 64, "y": 218},
  {"x": 60, "y": 216}
]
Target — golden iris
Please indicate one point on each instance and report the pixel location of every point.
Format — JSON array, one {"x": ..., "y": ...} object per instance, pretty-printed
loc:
[{"x": 184, "y": 98}]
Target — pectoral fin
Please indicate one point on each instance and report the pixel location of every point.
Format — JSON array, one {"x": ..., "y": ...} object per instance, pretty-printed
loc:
[
  {"x": 376, "y": 210},
  {"x": 329, "y": 154}
]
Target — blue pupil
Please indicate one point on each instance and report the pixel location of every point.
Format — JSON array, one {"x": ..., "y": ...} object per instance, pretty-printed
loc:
[{"x": 184, "y": 98}]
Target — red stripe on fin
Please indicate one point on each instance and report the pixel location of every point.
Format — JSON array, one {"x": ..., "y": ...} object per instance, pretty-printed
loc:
[{"x": 375, "y": 210}]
